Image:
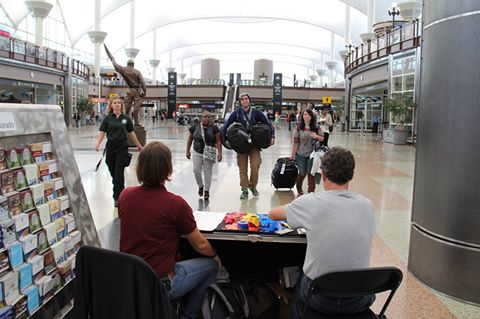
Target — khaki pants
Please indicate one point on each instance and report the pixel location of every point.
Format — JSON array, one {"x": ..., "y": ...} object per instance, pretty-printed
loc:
[{"x": 242, "y": 162}]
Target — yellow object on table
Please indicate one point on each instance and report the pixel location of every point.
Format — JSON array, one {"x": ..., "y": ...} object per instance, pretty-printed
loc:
[{"x": 252, "y": 219}]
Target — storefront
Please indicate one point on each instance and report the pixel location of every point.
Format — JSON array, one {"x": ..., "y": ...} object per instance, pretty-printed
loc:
[{"x": 12, "y": 91}]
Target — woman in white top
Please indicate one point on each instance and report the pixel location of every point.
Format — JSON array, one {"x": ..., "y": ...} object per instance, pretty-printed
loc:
[{"x": 326, "y": 124}]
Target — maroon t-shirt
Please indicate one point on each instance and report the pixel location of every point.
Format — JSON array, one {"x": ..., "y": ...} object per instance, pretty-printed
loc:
[{"x": 151, "y": 222}]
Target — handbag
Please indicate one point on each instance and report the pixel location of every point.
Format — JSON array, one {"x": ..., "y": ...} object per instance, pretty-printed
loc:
[
  {"x": 128, "y": 159},
  {"x": 209, "y": 152}
]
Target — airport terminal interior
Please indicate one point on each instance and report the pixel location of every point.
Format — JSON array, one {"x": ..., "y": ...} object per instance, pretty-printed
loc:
[{"x": 400, "y": 82}]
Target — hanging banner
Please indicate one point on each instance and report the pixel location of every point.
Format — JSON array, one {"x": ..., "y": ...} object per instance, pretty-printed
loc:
[
  {"x": 277, "y": 89},
  {"x": 171, "y": 93}
]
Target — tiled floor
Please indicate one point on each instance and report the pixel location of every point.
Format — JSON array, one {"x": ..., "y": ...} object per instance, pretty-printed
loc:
[{"x": 384, "y": 173}]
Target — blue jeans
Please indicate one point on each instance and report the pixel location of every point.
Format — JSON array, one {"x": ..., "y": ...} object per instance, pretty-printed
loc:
[
  {"x": 301, "y": 162},
  {"x": 191, "y": 280},
  {"x": 325, "y": 304}
]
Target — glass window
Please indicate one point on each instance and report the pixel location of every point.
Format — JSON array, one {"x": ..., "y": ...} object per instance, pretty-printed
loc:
[
  {"x": 409, "y": 82},
  {"x": 397, "y": 67},
  {"x": 397, "y": 83}
]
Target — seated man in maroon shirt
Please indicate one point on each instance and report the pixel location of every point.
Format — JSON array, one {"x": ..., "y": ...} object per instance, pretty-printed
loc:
[{"x": 151, "y": 222}]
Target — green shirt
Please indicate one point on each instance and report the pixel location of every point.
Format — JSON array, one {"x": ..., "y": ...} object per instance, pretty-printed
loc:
[{"x": 116, "y": 127}]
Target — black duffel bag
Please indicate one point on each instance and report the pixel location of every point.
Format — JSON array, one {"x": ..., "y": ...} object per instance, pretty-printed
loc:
[
  {"x": 225, "y": 142},
  {"x": 261, "y": 135},
  {"x": 239, "y": 138}
]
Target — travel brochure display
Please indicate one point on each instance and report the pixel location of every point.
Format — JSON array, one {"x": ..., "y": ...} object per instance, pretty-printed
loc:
[{"x": 38, "y": 236}]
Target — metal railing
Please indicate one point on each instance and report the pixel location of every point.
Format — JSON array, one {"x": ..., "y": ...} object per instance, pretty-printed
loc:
[
  {"x": 402, "y": 38},
  {"x": 19, "y": 50}
]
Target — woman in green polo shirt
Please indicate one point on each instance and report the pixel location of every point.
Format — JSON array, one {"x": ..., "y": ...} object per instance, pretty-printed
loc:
[{"x": 117, "y": 126}]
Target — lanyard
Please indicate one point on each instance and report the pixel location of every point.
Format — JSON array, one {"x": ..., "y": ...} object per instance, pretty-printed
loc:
[{"x": 247, "y": 120}]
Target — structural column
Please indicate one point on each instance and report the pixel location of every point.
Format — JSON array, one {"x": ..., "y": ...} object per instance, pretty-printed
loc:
[
  {"x": 348, "y": 33},
  {"x": 40, "y": 10},
  {"x": 368, "y": 36},
  {"x": 97, "y": 36},
  {"x": 132, "y": 52},
  {"x": 332, "y": 64},
  {"x": 154, "y": 62},
  {"x": 445, "y": 231}
]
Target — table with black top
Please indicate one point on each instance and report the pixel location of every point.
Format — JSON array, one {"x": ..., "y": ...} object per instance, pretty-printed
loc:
[{"x": 256, "y": 253}]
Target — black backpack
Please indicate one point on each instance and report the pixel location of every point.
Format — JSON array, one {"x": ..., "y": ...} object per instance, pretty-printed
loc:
[
  {"x": 261, "y": 135},
  {"x": 225, "y": 301},
  {"x": 262, "y": 300},
  {"x": 239, "y": 138}
]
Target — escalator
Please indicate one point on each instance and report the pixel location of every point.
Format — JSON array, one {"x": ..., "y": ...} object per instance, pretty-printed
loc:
[{"x": 229, "y": 101}]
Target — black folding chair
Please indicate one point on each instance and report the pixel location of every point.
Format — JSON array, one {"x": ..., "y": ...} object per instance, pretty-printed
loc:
[
  {"x": 353, "y": 283},
  {"x": 111, "y": 284}
]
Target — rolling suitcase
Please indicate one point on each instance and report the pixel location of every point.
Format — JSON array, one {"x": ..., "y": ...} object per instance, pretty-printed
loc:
[{"x": 284, "y": 174}]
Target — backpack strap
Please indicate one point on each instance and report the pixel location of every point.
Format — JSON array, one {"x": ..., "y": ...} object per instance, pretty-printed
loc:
[{"x": 220, "y": 293}]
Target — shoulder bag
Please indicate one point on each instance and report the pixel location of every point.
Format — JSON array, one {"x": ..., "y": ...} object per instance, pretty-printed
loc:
[{"x": 209, "y": 152}]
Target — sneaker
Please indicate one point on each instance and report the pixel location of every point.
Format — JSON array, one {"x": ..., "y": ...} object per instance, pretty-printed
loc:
[
  {"x": 206, "y": 195},
  {"x": 244, "y": 194},
  {"x": 200, "y": 191},
  {"x": 254, "y": 192}
]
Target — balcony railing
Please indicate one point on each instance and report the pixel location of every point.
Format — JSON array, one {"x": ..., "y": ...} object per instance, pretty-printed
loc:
[
  {"x": 20, "y": 50},
  {"x": 402, "y": 38}
]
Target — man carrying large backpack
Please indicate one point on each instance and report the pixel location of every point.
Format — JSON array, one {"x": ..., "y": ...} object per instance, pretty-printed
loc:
[{"x": 248, "y": 116}]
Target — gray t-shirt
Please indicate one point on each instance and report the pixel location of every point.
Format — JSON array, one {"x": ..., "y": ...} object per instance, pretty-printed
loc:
[
  {"x": 340, "y": 226},
  {"x": 304, "y": 141}
]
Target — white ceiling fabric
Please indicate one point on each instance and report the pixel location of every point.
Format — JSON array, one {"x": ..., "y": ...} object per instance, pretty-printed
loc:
[{"x": 189, "y": 30}]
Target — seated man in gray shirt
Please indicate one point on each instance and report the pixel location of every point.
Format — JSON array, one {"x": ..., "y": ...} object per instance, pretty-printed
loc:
[{"x": 339, "y": 226}]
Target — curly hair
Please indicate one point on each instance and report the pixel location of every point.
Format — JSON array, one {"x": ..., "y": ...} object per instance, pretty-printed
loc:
[
  {"x": 338, "y": 165},
  {"x": 313, "y": 122}
]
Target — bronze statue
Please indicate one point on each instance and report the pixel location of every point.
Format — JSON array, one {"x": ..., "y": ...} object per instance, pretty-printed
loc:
[{"x": 136, "y": 85}]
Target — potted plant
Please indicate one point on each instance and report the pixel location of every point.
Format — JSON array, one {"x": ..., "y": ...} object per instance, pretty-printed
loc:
[
  {"x": 84, "y": 107},
  {"x": 399, "y": 106}
]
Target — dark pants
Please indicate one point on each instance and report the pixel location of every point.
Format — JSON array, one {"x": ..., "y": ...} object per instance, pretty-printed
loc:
[
  {"x": 324, "y": 304},
  {"x": 325, "y": 138},
  {"x": 375, "y": 127},
  {"x": 115, "y": 159}
]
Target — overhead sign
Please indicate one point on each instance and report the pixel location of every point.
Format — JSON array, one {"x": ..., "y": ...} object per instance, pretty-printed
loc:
[
  {"x": 112, "y": 95},
  {"x": 7, "y": 122},
  {"x": 277, "y": 89},
  {"x": 327, "y": 100},
  {"x": 172, "y": 92}
]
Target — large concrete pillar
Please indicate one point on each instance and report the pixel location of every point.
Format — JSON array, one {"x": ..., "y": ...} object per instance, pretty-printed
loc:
[
  {"x": 40, "y": 10},
  {"x": 445, "y": 232},
  {"x": 263, "y": 67},
  {"x": 210, "y": 69}
]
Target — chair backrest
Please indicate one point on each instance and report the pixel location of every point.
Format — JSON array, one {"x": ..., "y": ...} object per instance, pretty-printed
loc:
[
  {"x": 111, "y": 284},
  {"x": 358, "y": 282}
]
